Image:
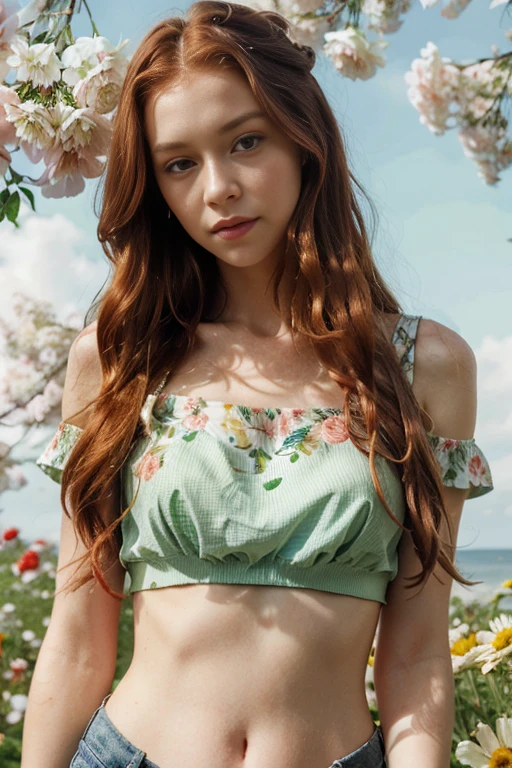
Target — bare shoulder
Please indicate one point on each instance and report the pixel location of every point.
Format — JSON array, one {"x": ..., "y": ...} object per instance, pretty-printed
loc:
[
  {"x": 83, "y": 376},
  {"x": 442, "y": 345},
  {"x": 445, "y": 370}
]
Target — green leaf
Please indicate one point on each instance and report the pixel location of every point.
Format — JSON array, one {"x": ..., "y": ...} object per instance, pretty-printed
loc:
[
  {"x": 297, "y": 436},
  {"x": 272, "y": 484},
  {"x": 16, "y": 177},
  {"x": 294, "y": 457},
  {"x": 12, "y": 206},
  {"x": 41, "y": 38},
  {"x": 30, "y": 196},
  {"x": 190, "y": 436},
  {"x": 4, "y": 194}
]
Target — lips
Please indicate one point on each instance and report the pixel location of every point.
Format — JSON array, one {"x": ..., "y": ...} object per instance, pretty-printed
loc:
[
  {"x": 229, "y": 223},
  {"x": 236, "y": 230}
]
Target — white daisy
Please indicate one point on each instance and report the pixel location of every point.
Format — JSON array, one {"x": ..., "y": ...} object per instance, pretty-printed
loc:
[
  {"x": 464, "y": 647},
  {"x": 498, "y": 641},
  {"x": 492, "y": 751}
]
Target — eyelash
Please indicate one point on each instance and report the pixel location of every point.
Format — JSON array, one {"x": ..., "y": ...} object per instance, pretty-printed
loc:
[{"x": 242, "y": 138}]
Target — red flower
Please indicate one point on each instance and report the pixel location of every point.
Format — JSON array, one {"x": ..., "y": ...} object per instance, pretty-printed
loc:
[
  {"x": 28, "y": 561},
  {"x": 10, "y": 533}
]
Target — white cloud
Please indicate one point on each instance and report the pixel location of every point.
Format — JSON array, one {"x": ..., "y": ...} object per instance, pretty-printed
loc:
[
  {"x": 45, "y": 258},
  {"x": 496, "y": 355},
  {"x": 494, "y": 360},
  {"x": 502, "y": 474}
]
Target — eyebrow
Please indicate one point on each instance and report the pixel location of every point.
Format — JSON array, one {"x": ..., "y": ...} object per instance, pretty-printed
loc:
[{"x": 166, "y": 145}]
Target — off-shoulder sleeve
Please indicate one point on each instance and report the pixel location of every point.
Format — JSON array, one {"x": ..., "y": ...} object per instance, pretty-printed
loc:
[
  {"x": 463, "y": 465},
  {"x": 54, "y": 457}
]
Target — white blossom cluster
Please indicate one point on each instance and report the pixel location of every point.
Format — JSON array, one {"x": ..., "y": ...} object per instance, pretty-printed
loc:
[
  {"x": 59, "y": 108},
  {"x": 34, "y": 353},
  {"x": 446, "y": 95},
  {"x": 449, "y": 95}
]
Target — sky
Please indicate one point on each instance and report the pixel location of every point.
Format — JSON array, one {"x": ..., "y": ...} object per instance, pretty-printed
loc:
[{"x": 441, "y": 243}]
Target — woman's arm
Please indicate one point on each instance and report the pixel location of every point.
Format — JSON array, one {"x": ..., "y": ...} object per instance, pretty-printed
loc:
[
  {"x": 412, "y": 670},
  {"x": 76, "y": 663}
]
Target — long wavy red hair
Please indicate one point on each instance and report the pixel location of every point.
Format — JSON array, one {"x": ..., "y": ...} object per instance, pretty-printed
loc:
[{"x": 163, "y": 283}]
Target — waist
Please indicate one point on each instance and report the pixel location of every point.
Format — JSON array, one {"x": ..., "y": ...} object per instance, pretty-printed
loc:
[
  {"x": 263, "y": 664},
  {"x": 209, "y": 629}
]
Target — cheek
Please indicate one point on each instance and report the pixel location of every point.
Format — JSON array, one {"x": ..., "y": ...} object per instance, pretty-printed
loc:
[{"x": 279, "y": 181}]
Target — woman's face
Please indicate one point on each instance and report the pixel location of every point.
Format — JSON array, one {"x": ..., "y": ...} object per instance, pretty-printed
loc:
[{"x": 225, "y": 165}]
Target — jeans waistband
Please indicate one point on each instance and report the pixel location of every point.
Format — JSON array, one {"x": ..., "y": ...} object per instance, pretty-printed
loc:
[{"x": 108, "y": 745}]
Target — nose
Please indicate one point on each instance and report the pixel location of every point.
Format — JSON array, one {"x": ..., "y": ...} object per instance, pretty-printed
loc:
[{"x": 220, "y": 182}]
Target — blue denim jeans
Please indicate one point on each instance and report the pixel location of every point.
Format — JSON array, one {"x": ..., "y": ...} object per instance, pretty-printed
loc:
[{"x": 103, "y": 746}]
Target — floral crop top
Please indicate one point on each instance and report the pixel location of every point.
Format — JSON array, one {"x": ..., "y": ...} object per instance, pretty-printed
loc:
[{"x": 231, "y": 494}]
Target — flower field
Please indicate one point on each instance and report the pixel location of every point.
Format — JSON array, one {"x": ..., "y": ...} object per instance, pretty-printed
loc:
[{"x": 480, "y": 641}]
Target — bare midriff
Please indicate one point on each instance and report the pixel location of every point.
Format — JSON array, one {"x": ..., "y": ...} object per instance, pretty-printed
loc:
[{"x": 246, "y": 675}]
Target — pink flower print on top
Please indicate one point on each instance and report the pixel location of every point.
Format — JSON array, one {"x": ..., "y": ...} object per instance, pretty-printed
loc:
[
  {"x": 56, "y": 437},
  {"x": 192, "y": 404},
  {"x": 268, "y": 427},
  {"x": 287, "y": 420},
  {"x": 477, "y": 470},
  {"x": 195, "y": 421},
  {"x": 160, "y": 400},
  {"x": 148, "y": 466},
  {"x": 283, "y": 424},
  {"x": 314, "y": 437},
  {"x": 334, "y": 430},
  {"x": 450, "y": 443}
]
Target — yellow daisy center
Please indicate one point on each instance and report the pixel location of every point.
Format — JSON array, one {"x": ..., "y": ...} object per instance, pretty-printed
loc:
[
  {"x": 507, "y": 584},
  {"x": 503, "y": 639},
  {"x": 371, "y": 658},
  {"x": 501, "y": 758},
  {"x": 463, "y": 645}
]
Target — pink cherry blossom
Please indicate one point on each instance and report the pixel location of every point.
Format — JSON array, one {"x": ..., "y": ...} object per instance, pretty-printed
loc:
[
  {"x": 7, "y": 129},
  {"x": 37, "y": 63},
  {"x": 352, "y": 54},
  {"x": 33, "y": 126},
  {"x": 433, "y": 85}
]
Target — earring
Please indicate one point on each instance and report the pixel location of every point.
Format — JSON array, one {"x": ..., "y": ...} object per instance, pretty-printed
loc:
[{"x": 168, "y": 213}]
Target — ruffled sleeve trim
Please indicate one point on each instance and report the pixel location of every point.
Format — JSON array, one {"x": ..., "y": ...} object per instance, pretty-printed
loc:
[
  {"x": 54, "y": 457},
  {"x": 463, "y": 465}
]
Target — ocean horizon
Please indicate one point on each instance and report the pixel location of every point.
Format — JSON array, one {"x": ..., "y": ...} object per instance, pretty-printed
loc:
[{"x": 491, "y": 566}]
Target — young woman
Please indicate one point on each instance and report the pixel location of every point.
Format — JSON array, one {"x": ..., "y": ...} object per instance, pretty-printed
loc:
[{"x": 257, "y": 435}]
